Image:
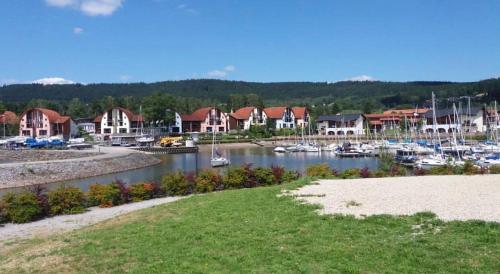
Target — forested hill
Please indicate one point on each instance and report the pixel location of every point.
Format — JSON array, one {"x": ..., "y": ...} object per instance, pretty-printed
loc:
[{"x": 385, "y": 93}]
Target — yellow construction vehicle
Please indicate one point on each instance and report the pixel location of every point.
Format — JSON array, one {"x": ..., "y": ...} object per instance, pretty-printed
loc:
[{"x": 170, "y": 141}]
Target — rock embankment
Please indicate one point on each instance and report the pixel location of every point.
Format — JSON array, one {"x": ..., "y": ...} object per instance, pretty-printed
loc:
[
  {"x": 33, "y": 155},
  {"x": 48, "y": 172}
]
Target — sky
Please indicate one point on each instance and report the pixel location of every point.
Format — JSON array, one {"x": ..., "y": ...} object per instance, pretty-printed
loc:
[{"x": 115, "y": 41}]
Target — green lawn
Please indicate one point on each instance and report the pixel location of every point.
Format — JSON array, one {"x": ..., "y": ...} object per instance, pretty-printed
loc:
[{"x": 253, "y": 230}]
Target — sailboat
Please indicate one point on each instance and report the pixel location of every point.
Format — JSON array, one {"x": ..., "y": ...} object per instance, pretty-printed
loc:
[
  {"x": 216, "y": 160},
  {"x": 143, "y": 138}
]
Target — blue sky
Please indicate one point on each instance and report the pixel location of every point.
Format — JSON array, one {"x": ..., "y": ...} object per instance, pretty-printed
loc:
[{"x": 92, "y": 41}]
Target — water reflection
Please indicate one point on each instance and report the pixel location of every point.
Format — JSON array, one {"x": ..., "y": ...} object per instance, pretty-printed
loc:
[{"x": 257, "y": 156}]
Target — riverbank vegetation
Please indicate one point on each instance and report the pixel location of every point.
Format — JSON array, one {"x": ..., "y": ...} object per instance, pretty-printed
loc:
[
  {"x": 36, "y": 202},
  {"x": 261, "y": 230}
]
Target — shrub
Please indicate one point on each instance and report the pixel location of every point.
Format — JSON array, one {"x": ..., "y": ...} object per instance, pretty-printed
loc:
[
  {"x": 235, "y": 177},
  {"x": 350, "y": 173},
  {"x": 365, "y": 173},
  {"x": 290, "y": 176},
  {"x": 251, "y": 180},
  {"x": 495, "y": 169},
  {"x": 3, "y": 212},
  {"x": 124, "y": 192},
  {"x": 40, "y": 192},
  {"x": 66, "y": 200},
  {"x": 278, "y": 172},
  {"x": 265, "y": 176},
  {"x": 319, "y": 170},
  {"x": 208, "y": 181},
  {"x": 397, "y": 170},
  {"x": 386, "y": 161},
  {"x": 379, "y": 173},
  {"x": 177, "y": 184},
  {"x": 21, "y": 207},
  {"x": 441, "y": 170},
  {"x": 104, "y": 195},
  {"x": 141, "y": 192},
  {"x": 419, "y": 171},
  {"x": 470, "y": 169}
]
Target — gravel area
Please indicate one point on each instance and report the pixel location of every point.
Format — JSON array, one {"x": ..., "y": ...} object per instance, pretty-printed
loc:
[
  {"x": 63, "y": 223},
  {"x": 16, "y": 156},
  {"x": 449, "y": 197},
  {"x": 42, "y": 172}
]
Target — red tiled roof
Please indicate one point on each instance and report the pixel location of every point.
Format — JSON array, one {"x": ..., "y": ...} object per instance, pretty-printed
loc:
[
  {"x": 98, "y": 119},
  {"x": 408, "y": 111},
  {"x": 198, "y": 116},
  {"x": 53, "y": 116},
  {"x": 242, "y": 113},
  {"x": 375, "y": 122},
  {"x": 299, "y": 112},
  {"x": 8, "y": 117},
  {"x": 275, "y": 112}
]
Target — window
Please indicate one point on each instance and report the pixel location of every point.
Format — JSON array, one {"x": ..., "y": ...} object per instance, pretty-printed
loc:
[
  {"x": 221, "y": 128},
  {"x": 209, "y": 129},
  {"x": 107, "y": 130},
  {"x": 26, "y": 133},
  {"x": 123, "y": 130},
  {"x": 42, "y": 132}
]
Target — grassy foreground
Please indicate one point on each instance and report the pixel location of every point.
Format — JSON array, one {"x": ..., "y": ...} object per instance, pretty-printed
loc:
[{"x": 254, "y": 230}]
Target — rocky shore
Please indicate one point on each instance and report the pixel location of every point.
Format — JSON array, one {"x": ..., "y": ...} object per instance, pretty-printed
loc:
[
  {"x": 32, "y": 155},
  {"x": 25, "y": 174}
]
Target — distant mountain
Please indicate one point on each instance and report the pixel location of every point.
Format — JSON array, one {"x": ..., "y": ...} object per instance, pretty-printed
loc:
[{"x": 387, "y": 93}]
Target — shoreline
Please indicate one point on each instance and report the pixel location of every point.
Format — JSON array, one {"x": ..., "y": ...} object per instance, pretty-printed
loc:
[{"x": 26, "y": 174}]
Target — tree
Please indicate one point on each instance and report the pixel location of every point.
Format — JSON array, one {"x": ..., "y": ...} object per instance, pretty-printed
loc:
[
  {"x": 77, "y": 109},
  {"x": 2, "y": 108},
  {"x": 156, "y": 107}
]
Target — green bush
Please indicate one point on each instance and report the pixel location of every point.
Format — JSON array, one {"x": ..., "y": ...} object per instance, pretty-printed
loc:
[
  {"x": 379, "y": 173},
  {"x": 66, "y": 200},
  {"x": 441, "y": 170},
  {"x": 386, "y": 161},
  {"x": 319, "y": 170},
  {"x": 495, "y": 169},
  {"x": 3, "y": 212},
  {"x": 208, "y": 181},
  {"x": 141, "y": 192},
  {"x": 21, "y": 207},
  {"x": 236, "y": 177},
  {"x": 289, "y": 176},
  {"x": 104, "y": 195},
  {"x": 264, "y": 176},
  {"x": 176, "y": 184},
  {"x": 350, "y": 173}
]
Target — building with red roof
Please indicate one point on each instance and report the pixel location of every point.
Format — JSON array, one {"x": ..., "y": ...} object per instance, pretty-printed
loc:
[
  {"x": 302, "y": 116},
  {"x": 118, "y": 120},
  {"x": 246, "y": 117},
  {"x": 207, "y": 119},
  {"x": 42, "y": 122},
  {"x": 282, "y": 117}
]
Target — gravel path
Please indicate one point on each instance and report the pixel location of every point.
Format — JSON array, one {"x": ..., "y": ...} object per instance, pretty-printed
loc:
[
  {"x": 449, "y": 197},
  {"x": 63, "y": 223}
]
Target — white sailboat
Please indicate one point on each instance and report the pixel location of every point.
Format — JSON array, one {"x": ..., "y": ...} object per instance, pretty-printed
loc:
[
  {"x": 216, "y": 160},
  {"x": 143, "y": 138}
]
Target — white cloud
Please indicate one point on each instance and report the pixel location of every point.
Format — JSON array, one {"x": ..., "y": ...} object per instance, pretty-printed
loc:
[
  {"x": 230, "y": 68},
  {"x": 77, "y": 30},
  {"x": 125, "y": 78},
  {"x": 89, "y": 7},
  {"x": 61, "y": 3},
  {"x": 217, "y": 74},
  {"x": 221, "y": 73},
  {"x": 9, "y": 82},
  {"x": 187, "y": 9},
  {"x": 53, "y": 81},
  {"x": 361, "y": 78}
]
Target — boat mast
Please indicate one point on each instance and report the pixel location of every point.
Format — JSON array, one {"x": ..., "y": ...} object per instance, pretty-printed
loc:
[{"x": 434, "y": 123}]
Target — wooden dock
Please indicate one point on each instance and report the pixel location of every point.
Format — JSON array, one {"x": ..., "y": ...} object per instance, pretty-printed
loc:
[{"x": 168, "y": 150}]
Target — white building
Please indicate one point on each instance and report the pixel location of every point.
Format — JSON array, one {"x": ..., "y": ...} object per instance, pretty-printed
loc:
[
  {"x": 447, "y": 121},
  {"x": 246, "y": 117},
  {"x": 283, "y": 117},
  {"x": 118, "y": 121},
  {"x": 176, "y": 127},
  {"x": 343, "y": 124}
]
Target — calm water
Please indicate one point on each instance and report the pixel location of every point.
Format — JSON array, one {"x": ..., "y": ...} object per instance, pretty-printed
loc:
[{"x": 257, "y": 156}]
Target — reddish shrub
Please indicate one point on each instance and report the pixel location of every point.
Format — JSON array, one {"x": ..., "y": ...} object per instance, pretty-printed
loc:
[
  {"x": 419, "y": 172},
  {"x": 365, "y": 173},
  {"x": 278, "y": 172}
]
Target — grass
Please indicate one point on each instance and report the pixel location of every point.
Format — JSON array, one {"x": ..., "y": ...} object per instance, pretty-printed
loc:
[{"x": 258, "y": 230}]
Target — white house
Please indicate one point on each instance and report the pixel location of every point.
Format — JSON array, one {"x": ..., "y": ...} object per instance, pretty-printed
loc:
[
  {"x": 342, "y": 124},
  {"x": 447, "y": 120},
  {"x": 283, "y": 117},
  {"x": 86, "y": 124},
  {"x": 246, "y": 117},
  {"x": 176, "y": 127},
  {"x": 118, "y": 121}
]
